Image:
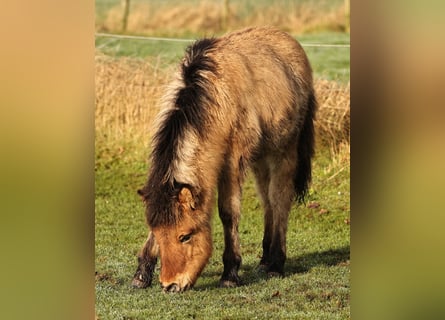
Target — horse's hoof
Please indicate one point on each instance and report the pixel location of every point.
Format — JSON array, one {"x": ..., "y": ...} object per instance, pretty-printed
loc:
[
  {"x": 274, "y": 274},
  {"x": 262, "y": 267},
  {"x": 139, "y": 282},
  {"x": 228, "y": 284}
]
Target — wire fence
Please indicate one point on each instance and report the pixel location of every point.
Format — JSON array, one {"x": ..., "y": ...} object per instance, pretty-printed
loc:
[
  {"x": 118, "y": 36},
  {"x": 329, "y": 56}
]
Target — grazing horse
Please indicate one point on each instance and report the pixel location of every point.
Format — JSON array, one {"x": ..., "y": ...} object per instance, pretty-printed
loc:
[{"x": 242, "y": 100}]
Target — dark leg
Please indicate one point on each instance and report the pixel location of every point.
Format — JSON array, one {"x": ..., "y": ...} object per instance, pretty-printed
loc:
[
  {"x": 262, "y": 176},
  {"x": 275, "y": 186},
  {"x": 229, "y": 206},
  {"x": 281, "y": 195},
  {"x": 146, "y": 263}
]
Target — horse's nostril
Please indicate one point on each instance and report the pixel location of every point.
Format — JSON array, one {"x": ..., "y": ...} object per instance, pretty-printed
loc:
[{"x": 173, "y": 287}]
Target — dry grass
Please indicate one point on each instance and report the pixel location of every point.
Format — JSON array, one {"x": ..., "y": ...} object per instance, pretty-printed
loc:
[
  {"x": 211, "y": 18},
  {"x": 128, "y": 93},
  {"x": 333, "y": 117}
]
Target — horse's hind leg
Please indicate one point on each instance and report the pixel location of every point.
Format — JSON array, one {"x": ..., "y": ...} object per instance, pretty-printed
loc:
[
  {"x": 277, "y": 190},
  {"x": 229, "y": 207},
  {"x": 262, "y": 175},
  {"x": 147, "y": 259},
  {"x": 281, "y": 196}
]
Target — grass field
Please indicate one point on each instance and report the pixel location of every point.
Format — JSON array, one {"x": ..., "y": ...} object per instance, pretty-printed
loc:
[
  {"x": 316, "y": 285},
  {"x": 130, "y": 75}
]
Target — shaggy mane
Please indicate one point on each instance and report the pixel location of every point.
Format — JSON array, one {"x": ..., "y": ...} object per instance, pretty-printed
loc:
[{"x": 190, "y": 111}]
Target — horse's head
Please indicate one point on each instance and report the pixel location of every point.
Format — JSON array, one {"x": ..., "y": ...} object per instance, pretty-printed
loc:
[{"x": 184, "y": 247}]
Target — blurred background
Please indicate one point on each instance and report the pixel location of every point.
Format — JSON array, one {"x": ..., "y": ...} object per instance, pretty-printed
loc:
[
  {"x": 321, "y": 25},
  {"x": 49, "y": 61},
  {"x": 197, "y": 18},
  {"x": 139, "y": 43}
]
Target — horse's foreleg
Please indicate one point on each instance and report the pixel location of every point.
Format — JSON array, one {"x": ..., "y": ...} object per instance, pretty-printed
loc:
[
  {"x": 229, "y": 206},
  {"x": 147, "y": 259}
]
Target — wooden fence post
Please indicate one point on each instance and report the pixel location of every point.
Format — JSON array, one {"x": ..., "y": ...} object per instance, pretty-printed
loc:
[
  {"x": 225, "y": 15},
  {"x": 126, "y": 5}
]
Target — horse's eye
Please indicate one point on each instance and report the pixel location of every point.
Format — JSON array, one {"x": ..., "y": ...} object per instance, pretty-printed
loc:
[{"x": 184, "y": 238}]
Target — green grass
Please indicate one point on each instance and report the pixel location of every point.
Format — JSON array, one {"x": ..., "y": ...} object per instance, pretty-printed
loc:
[
  {"x": 331, "y": 63},
  {"x": 316, "y": 285},
  {"x": 169, "y": 52}
]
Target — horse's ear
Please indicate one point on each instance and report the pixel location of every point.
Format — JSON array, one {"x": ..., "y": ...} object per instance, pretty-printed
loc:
[{"x": 185, "y": 197}]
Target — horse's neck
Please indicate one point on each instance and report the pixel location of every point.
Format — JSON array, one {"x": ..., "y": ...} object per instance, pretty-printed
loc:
[{"x": 198, "y": 162}]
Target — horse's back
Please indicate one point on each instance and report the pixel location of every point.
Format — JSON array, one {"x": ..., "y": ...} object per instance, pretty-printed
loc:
[
  {"x": 266, "y": 52},
  {"x": 268, "y": 79}
]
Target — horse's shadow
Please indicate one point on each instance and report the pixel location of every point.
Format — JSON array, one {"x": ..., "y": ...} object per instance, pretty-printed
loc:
[
  {"x": 251, "y": 274},
  {"x": 306, "y": 262}
]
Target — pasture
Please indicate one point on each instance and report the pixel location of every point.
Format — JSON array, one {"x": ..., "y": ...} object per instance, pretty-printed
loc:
[{"x": 130, "y": 75}]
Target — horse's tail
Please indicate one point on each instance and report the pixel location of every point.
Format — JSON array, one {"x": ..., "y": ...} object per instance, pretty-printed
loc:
[{"x": 305, "y": 151}]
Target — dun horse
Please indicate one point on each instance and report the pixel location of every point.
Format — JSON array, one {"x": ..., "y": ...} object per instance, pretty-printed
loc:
[{"x": 243, "y": 100}]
